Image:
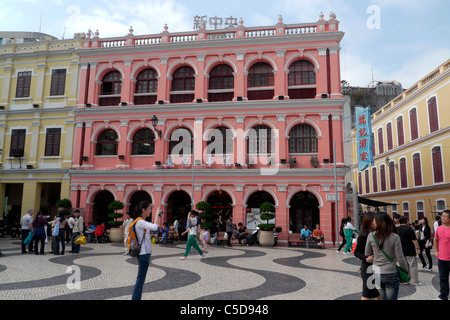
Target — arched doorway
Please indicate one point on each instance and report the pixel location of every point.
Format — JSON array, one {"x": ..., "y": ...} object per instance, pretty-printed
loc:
[
  {"x": 178, "y": 207},
  {"x": 100, "y": 210},
  {"x": 221, "y": 204},
  {"x": 136, "y": 198},
  {"x": 253, "y": 203},
  {"x": 304, "y": 209}
]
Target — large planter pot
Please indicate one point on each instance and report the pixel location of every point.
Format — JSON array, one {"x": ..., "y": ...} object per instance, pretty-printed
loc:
[
  {"x": 116, "y": 235},
  {"x": 266, "y": 238}
]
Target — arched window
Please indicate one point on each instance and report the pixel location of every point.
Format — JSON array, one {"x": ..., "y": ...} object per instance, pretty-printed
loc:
[
  {"x": 374, "y": 179},
  {"x": 111, "y": 89},
  {"x": 181, "y": 143},
  {"x": 221, "y": 83},
  {"x": 413, "y": 124},
  {"x": 143, "y": 142},
  {"x": 220, "y": 141},
  {"x": 392, "y": 182},
  {"x": 417, "y": 169},
  {"x": 437, "y": 165},
  {"x": 433, "y": 114},
  {"x": 107, "y": 143},
  {"x": 302, "y": 80},
  {"x": 303, "y": 139},
  {"x": 146, "y": 87},
  {"x": 260, "y": 140},
  {"x": 183, "y": 85},
  {"x": 260, "y": 82}
]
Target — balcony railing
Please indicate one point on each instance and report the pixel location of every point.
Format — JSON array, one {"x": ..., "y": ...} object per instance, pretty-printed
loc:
[{"x": 279, "y": 29}]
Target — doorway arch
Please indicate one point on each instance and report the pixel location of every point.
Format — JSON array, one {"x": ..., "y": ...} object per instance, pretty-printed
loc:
[
  {"x": 136, "y": 198},
  {"x": 304, "y": 209},
  {"x": 178, "y": 206},
  {"x": 253, "y": 203},
  {"x": 221, "y": 205},
  {"x": 100, "y": 209}
]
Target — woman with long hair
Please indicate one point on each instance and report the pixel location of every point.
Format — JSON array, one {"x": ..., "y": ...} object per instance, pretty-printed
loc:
[
  {"x": 367, "y": 227},
  {"x": 425, "y": 244},
  {"x": 143, "y": 230},
  {"x": 341, "y": 233},
  {"x": 385, "y": 238},
  {"x": 61, "y": 234},
  {"x": 39, "y": 232}
]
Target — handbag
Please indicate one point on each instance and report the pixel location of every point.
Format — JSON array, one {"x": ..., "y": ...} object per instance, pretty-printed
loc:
[
  {"x": 81, "y": 239},
  {"x": 28, "y": 238},
  {"x": 402, "y": 274}
]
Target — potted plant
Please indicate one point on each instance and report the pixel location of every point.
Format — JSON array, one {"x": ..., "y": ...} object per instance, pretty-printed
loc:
[
  {"x": 204, "y": 209},
  {"x": 266, "y": 237},
  {"x": 115, "y": 233},
  {"x": 64, "y": 205}
]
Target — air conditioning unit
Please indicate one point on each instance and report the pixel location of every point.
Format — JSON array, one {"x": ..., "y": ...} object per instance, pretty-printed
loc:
[{"x": 292, "y": 161}]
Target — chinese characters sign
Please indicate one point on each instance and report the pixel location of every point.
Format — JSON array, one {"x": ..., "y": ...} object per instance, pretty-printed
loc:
[
  {"x": 364, "y": 137},
  {"x": 216, "y": 22}
]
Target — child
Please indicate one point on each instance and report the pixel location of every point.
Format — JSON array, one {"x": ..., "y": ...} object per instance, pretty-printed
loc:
[
  {"x": 205, "y": 240},
  {"x": 165, "y": 232}
]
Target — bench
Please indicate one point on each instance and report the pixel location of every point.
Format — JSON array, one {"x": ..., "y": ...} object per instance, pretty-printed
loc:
[
  {"x": 221, "y": 237},
  {"x": 294, "y": 239}
]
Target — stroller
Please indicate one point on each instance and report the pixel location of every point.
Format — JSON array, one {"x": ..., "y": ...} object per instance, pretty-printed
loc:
[{"x": 100, "y": 235}]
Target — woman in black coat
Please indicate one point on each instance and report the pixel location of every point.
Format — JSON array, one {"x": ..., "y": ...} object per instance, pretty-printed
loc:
[
  {"x": 368, "y": 292},
  {"x": 425, "y": 243}
]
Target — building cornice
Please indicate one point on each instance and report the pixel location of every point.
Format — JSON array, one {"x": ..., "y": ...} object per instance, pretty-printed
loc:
[{"x": 232, "y": 109}]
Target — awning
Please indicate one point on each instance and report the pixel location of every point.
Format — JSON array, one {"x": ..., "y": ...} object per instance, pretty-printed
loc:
[{"x": 374, "y": 203}]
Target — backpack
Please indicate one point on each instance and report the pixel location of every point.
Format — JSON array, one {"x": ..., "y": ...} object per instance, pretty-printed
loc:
[{"x": 134, "y": 247}]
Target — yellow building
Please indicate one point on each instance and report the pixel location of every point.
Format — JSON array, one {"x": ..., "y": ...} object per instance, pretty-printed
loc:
[
  {"x": 411, "y": 147},
  {"x": 38, "y": 83}
]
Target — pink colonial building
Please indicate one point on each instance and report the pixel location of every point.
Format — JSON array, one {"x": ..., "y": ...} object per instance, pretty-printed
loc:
[{"x": 255, "y": 109}]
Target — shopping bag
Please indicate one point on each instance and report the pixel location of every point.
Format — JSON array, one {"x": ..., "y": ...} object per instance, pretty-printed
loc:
[
  {"x": 80, "y": 239},
  {"x": 55, "y": 231},
  {"x": 354, "y": 242},
  {"x": 28, "y": 238}
]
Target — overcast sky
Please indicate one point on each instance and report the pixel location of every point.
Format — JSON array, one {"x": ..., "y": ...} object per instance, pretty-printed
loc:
[{"x": 399, "y": 40}]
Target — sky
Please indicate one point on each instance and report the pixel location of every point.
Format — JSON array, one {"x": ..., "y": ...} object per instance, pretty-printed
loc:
[{"x": 384, "y": 40}]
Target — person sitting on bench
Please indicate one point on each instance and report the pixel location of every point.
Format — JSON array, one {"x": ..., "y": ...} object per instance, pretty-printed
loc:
[
  {"x": 243, "y": 234},
  {"x": 318, "y": 236},
  {"x": 306, "y": 233}
]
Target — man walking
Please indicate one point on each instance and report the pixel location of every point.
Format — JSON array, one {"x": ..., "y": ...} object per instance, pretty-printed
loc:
[
  {"x": 410, "y": 247},
  {"x": 27, "y": 227},
  {"x": 77, "y": 230},
  {"x": 442, "y": 248},
  {"x": 192, "y": 235}
]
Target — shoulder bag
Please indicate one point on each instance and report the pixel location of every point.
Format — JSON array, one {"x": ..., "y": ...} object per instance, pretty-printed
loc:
[{"x": 402, "y": 274}]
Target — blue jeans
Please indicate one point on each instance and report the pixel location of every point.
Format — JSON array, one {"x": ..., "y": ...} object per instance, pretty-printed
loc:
[
  {"x": 390, "y": 284},
  {"x": 75, "y": 247},
  {"x": 60, "y": 238},
  {"x": 144, "y": 262},
  {"x": 306, "y": 238},
  {"x": 444, "y": 272}
]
